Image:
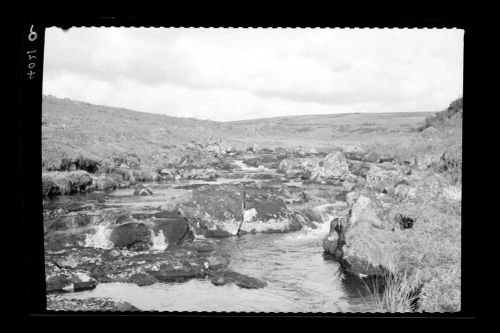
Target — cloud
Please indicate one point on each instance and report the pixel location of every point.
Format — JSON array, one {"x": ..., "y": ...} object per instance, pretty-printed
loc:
[{"x": 230, "y": 74}]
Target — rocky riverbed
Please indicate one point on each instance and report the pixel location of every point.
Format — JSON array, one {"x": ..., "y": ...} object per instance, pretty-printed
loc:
[{"x": 354, "y": 209}]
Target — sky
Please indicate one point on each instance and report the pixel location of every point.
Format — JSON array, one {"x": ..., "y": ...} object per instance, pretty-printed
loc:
[{"x": 236, "y": 74}]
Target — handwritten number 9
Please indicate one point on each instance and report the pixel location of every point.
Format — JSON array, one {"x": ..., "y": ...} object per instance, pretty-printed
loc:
[{"x": 33, "y": 35}]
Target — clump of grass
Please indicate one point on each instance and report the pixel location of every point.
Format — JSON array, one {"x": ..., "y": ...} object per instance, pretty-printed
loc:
[
  {"x": 59, "y": 182},
  {"x": 394, "y": 293}
]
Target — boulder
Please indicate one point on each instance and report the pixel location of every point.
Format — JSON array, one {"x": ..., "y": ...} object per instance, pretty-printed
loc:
[
  {"x": 355, "y": 153},
  {"x": 242, "y": 281},
  {"x": 216, "y": 211},
  {"x": 371, "y": 157},
  {"x": 266, "y": 212},
  {"x": 331, "y": 169},
  {"x": 384, "y": 177},
  {"x": 358, "y": 168},
  {"x": 361, "y": 239},
  {"x": 298, "y": 167},
  {"x": 426, "y": 161},
  {"x": 135, "y": 236},
  {"x": 228, "y": 210},
  {"x": 175, "y": 229},
  {"x": 63, "y": 279}
]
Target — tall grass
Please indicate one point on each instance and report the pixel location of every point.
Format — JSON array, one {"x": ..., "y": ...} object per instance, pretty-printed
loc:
[{"x": 399, "y": 292}]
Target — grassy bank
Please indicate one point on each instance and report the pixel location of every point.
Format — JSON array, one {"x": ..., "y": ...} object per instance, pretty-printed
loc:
[{"x": 429, "y": 252}]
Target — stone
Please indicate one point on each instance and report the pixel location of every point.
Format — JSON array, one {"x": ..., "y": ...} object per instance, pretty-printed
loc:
[
  {"x": 175, "y": 229},
  {"x": 381, "y": 177},
  {"x": 354, "y": 153},
  {"x": 59, "y": 279},
  {"x": 332, "y": 168},
  {"x": 426, "y": 161},
  {"x": 241, "y": 280},
  {"x": 95, "y": 304},
  {"x": 129, "y": 234},
  {"x": 361, "y": 239},
  {"x": 216, "y": 211}
]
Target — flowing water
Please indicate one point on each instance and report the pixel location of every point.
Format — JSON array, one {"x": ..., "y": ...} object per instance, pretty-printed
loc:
[{"x": 300, "y": 277}]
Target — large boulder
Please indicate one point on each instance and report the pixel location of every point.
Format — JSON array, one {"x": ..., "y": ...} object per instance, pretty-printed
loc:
[
  {"x": 361, "y": 239},
  {"x": 385, "y": 176},
  {"x": 175, "y": 230},
  {"x": 227, "y": 210},
  {"x": 216, "y": 211},
  {"x": 266, "y": 212},
  {"x": 331, "y": 169},
  {"x": 298, "y": 167},
  {"x": 135, "y": 236}
]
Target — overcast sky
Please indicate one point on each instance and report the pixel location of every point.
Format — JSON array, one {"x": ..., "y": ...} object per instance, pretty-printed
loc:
[{"x": 233, "y": 74}]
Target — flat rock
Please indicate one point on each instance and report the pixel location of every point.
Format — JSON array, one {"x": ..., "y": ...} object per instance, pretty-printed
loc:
[{"x": 241, "y": 280}]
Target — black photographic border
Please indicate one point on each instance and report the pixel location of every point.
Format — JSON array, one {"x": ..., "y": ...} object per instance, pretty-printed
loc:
[{"x": 30, "y": 98}]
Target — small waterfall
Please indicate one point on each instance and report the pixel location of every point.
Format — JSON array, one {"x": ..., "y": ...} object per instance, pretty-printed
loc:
[
  {"x": 100, "y": 239},
  {"x": 159, "y": 242}
]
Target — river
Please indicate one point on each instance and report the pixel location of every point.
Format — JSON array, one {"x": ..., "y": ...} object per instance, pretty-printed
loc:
[{"x": 299, "y": 276}]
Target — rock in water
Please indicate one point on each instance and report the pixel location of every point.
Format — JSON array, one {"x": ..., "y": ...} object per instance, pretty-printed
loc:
[
  {"x": 132, "y": 236},
  {"x": 361, "y": 239},
  {"x": 142, "y": 190},
  {"x": 175, "y": 229},
  {"x": 216, "y": 211},
  {"x": 224, "y": 210},
  {"x": 242, "y": 281}
]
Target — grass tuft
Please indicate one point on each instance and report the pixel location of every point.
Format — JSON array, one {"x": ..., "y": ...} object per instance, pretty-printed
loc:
[{"x": 394, "y": 293}]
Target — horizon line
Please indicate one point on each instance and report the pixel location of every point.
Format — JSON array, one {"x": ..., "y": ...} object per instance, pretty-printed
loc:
[{"x": 241, "y": 120}]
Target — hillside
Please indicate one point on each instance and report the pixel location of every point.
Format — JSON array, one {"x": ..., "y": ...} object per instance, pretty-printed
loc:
[{"x": 74, "y": 130}]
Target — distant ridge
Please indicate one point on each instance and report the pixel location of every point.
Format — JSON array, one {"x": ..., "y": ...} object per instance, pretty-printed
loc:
[{"x": 72, "y": 129}]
